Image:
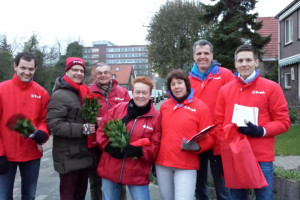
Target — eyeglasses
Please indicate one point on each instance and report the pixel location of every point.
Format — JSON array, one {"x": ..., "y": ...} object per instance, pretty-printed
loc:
[{"x": 102, "y": 73}]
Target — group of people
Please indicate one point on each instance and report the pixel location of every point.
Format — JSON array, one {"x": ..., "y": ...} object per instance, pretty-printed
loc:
[{"x": 82, "y": 151}]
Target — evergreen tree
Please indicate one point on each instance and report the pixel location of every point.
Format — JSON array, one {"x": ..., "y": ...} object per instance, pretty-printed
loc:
[
  {"x": 6, "y": 60},
  {"x": 172, "y": 33},
  {"x": 235, "y": 26}
]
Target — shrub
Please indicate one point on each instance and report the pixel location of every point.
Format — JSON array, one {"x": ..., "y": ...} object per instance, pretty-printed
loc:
[
  {"x": 293, "y": 113},
  {"x": 287, "y": 174}
]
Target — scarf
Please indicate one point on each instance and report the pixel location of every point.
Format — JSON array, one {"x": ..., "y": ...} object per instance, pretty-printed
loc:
[
  {"x": 134, "y": 111},
  {"x": 181, "y": 99},
  {"x": 195, "y": 71},
  {"x": 250, "y": 78},
  {"x": 105, "y": 88},
  {"x": 81, "y": 88}
]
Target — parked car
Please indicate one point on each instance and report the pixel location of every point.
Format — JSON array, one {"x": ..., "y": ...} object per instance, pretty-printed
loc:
[
  {"x": 155, "y": 96},
  {"x": 161, "y": 94},
  {"x": 130, "y": 93}
]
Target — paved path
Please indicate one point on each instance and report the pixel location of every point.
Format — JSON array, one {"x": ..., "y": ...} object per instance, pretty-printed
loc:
[{"x": 48, "y": 183}]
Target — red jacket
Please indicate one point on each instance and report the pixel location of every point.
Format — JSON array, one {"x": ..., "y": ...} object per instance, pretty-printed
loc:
[
  {"x": 128, "y": 171},
  {"x": 31, "y": 100},
  {"x": 182, "y": 121},
  {"x": 207, "y": 90},
  {"x": 116, "y": 95},
  {"x": 273, "y": 111}
]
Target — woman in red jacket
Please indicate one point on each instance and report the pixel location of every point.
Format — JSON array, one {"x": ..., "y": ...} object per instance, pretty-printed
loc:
[
  {"x": 130, "y": 166},
  {"x": 182, "y": 117}
]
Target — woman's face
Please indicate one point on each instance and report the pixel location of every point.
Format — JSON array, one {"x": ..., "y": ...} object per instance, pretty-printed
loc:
[
  {"x": 178, "y": 87},
  {"x": 141, "y": 94}
]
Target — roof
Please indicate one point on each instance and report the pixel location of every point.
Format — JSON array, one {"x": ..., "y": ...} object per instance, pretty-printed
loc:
[
  {"x": 270, "y": 26},
  {"x": 293, "y": 6},
  {"x": 122, "y": 72}
]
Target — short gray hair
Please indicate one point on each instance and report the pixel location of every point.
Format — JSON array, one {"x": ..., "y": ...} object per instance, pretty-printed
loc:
[
  {"x": 102, "y": 64},
  {"x": 203, "y": 43}
]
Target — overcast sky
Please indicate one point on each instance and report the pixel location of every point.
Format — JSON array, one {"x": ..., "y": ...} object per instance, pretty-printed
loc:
[{"x": 118, "y": 21}]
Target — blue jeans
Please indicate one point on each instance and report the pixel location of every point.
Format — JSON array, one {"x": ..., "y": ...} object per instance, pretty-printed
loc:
[
  {"x": 112, "y": 191},
  {"x": 29, "y": 172},
  {"x": 218, "y": 177},
  {"x": 262, "y": 193}
]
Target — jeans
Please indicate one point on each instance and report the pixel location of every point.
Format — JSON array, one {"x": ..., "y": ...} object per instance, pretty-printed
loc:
[
  {"x": 262, "y": 193},
  {"x": 175, "y": 183},
  {"x": 29, "y": 172},
  {"x": 222, "y": 192},
  {"x": 112, "y": 191}
]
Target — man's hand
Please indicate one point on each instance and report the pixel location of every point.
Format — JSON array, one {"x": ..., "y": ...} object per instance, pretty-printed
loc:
[
  {"x": 40, "y": 137},
  {"x": 191, "y": 146},
  {"x": 252, "y": 130},
  {"x": 88, "y": 129}
]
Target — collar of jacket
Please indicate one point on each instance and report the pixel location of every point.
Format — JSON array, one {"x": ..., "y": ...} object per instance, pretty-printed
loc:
[
  {"x": 214, "y": 71},
  {"x": 94, "y": 87},
  {"x": 257, "y": 75},
  {"x": 17, "y": 81},
  {"x": 188, "y": 100}
]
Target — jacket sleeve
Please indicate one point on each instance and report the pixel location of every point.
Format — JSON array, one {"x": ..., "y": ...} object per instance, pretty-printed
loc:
[
  {"x": 41, "y": 124},
  {"x": 205, "y": 120},
  {"x": 57, "y": 118},
  {"x": 278, "y": 109},
  {"x": 150, "y": 152},
  {"x": 219, "y": 116},
  {"x": 2, "y": 150}
]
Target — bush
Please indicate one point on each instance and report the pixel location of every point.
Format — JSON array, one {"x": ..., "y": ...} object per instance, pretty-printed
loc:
[{"x": 293, "y": 113}]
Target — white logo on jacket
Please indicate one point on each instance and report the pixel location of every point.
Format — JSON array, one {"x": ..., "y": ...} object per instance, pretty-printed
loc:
[
  {"x": 216, "y": 78},
  {"x": 189, "y": 108},
  {"x": 119, "y": 99},
  {"x": 147, "y": 127},
  {"x": 35, "y": 96},
  {"x": 258, "y": 92}
]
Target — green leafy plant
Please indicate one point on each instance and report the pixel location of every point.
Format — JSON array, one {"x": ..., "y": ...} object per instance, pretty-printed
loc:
[
  {"x": 293, "y": 113},
  {"x": 90, "y": 108},
  {"x": 21, "y": 124},
  {"x": 116, "y": 132}
]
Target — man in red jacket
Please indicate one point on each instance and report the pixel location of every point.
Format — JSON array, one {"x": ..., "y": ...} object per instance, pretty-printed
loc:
[
  {"x": 22, "y": 96},
  {"x": 110, "y": 94},
  {"x": 251, "y": 90},
  {"x": 207, "y": 77}
]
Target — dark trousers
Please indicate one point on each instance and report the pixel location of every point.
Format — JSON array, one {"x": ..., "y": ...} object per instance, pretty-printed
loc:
[
  {"x": 94, "y": 178},
  {"x": 222, "y": 192},
  {"x": 73, "y": 185}
]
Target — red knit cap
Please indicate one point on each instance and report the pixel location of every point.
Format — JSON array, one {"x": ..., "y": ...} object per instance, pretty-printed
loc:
[{"x": 74, "y": 61}]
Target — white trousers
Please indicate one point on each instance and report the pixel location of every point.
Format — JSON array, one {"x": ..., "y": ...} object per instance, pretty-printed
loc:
[{"x": 176, "y": 184}]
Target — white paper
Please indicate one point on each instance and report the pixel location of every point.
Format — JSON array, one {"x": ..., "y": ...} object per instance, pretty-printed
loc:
[{"x": 242, "y": 113}]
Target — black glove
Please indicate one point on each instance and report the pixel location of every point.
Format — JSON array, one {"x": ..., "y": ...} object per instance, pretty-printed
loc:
[
  {"x": 133, "y": 151},
  {"x": 40, "y": 137},
  {"x": 252, "y": 130},
  {"x": 3, "y": 164},
  {"x": 191, "y": 146},
  {"x": 114, "y": 151}
]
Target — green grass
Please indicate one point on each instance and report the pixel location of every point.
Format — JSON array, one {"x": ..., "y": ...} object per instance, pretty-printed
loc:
[{"x": 288, "y": 144}]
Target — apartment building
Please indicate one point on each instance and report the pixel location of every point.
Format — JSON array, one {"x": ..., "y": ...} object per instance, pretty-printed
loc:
[{"x": 105, "y": 51}]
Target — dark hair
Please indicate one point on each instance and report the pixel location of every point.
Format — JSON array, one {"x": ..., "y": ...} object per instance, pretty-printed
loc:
[
  {"x": 25, "y": 56},
  {"x": 142, "y": 79},
  {"x": 246, "y": 47},
  {"x": 179, "y": 74},
  {"x": 203, "y": 43}
]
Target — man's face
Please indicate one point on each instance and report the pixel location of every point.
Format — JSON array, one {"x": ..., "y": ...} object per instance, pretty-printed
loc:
[
  {"x": 203, "y": 57},
  {"x": 103, "y": 75},
  {"x": 245, "y": 63},
  {"x": 76, "y": 74},
  {"x": 25, "y": 70}
]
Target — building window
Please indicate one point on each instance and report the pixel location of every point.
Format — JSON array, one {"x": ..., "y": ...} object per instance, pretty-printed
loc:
[
  {"x": 287, "y": 80},
  {"x": 288, "y": 30},
  {"x": 113, "y": 76}
]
